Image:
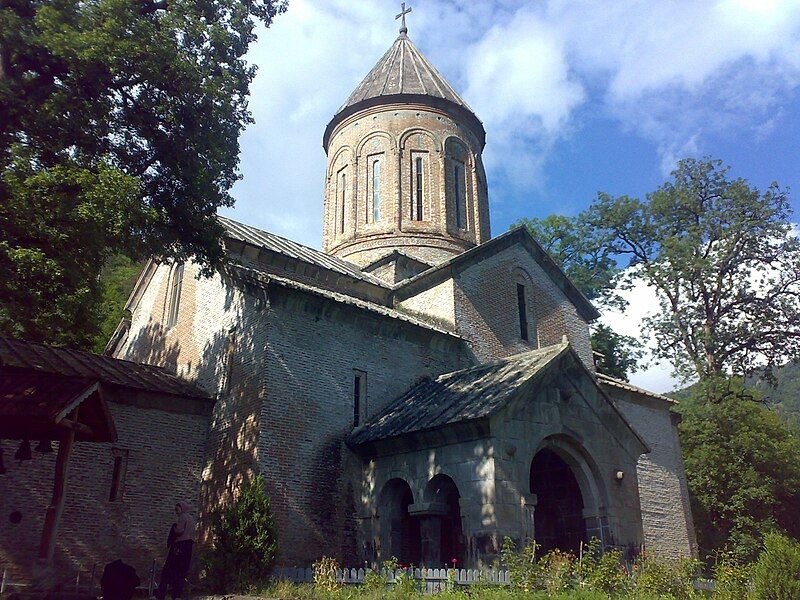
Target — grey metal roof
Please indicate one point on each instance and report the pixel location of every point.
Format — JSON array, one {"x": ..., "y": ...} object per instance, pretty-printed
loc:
[
  {"x": 618, "y": 383},
  {"x": 275, "y": 243},
  {"x": 458, "y": 396},
  {"x": 75, "y": 363},
  {"x": 403, "y": 70},
  {"x": 250, "y": 270}
]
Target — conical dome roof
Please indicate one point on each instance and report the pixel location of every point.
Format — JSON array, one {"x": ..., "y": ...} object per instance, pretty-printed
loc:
[
  {"x": 403, "y": 70},
  {"x": 404, "y": 75}
]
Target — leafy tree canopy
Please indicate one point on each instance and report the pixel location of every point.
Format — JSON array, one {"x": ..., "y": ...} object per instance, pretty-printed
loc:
[
  {"x": 119, "y": 126},
  {"x": 722, "y": 259},
  {"x": 742, "y": 468}
]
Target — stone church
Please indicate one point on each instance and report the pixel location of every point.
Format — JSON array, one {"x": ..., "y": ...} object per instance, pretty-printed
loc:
[{"x": 419, "y": 388}]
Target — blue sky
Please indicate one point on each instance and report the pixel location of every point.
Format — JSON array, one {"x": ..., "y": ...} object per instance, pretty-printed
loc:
[{"x": 576, "y": 96}]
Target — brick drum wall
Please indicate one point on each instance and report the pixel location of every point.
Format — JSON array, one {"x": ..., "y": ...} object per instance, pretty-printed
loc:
[{"x": 164, "y": 460}]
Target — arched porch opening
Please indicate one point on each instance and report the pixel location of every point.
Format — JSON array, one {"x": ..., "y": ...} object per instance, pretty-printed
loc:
[
  {"x": 559, "y": 511},
  {"x": 400, "y": 536},
  {"x": 442, "y": 534}
]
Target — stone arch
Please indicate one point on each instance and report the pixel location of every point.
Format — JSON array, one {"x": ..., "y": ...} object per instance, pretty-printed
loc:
[
  {"x": 568, "y": 494},
  {"x": 399, "y": 531},
  {"x": 420, "y": 194},
  {"x": 374, "y": 201},
  {"x": 441, "y": 532},
  {"x": 459, "y": 176}
]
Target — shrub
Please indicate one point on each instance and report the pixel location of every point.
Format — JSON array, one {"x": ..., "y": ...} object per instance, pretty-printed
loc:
[
  {"x": 523, "y": 567},
  {"x": 776, "y": 574},
  {"x": 243, "y": 541},
  {"x": 600, "y": 570},
  {"x": 669, "y": 578},
  {"x": 326, "y": 574},
  {"x": 731, "y": 578},
  {"x": 557, "y": 571}
]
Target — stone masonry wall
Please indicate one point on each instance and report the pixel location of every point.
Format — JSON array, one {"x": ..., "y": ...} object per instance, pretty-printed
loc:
[
  {"x": 666, "y": 514},
  {"x": 162, "y": 461}
]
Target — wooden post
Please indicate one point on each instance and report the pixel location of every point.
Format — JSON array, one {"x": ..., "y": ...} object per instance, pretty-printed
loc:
[{"x": 53, "y": 516}]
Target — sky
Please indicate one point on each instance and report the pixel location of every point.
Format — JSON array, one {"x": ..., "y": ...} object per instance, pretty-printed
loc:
[{"x": 576, "y": 97}]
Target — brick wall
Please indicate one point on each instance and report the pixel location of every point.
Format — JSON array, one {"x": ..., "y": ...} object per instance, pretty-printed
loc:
[
  {"x": 666, "y": 514},
  {"x": 164, "y": 456}
]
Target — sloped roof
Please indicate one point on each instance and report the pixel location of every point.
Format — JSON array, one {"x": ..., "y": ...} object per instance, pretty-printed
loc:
[
  {"x": 458, "y": 396},
  {"x": 618, "y": 383},
  {"x": 518, "y": 235},
  {"x": 405, "y": 75},
  {"x": 403, "y": 70},
  {"x": 258, "y": 237},
  {"x": 263, "y": 277},
  {"x": 75, "y": 363}
]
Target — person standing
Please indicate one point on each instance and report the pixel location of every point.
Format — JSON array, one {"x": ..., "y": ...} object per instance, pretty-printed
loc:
[{"x": 185, "y": 534}]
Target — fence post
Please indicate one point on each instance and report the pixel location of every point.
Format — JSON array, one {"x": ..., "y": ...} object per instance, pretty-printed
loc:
[
  {"x": 152, "y": 578},
  {"x": 3, "y": 581},
  {"x": 78, "y": 581}
]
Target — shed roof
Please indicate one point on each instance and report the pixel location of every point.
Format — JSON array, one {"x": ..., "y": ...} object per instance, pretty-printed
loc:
[
  {"x": 458, "y": 396},
  {"x": 85, "y": 365}
]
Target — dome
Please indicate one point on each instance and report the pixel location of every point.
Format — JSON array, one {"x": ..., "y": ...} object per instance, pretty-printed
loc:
[{"x": 401, "y": 76}]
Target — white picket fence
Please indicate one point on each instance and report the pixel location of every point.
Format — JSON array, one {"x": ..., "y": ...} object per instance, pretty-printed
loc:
[{"x": 431, "y": 580}]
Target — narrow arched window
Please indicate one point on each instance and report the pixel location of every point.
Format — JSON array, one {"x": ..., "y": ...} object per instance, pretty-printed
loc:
[
  {"x": 342, "y": 202},
  {"x": 460, "y": 189},
  {"x": 376, "y": 190},
  {"x": 416, "y": 210},
  {"x": 175, "y": 295},
  {"x": 523, "y": 312}
]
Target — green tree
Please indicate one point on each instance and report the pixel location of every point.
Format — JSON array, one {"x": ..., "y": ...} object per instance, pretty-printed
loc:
[
  {"x": 117, "y": 279},
  {"x": 584, "y": 253},
  {"x": 244, "y": 543},
  {"x": 742, "y": 467},
  {"x": 620, "y": 353},
  {"x": 119, "y": 127},
  {"x": 721, "y": 257}
]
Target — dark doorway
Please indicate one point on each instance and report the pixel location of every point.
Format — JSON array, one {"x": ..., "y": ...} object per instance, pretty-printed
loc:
[
  {"x": 558, "y": 516},
  {"x": 443, "y": 490},
  {"x": 400, "y": 531}
]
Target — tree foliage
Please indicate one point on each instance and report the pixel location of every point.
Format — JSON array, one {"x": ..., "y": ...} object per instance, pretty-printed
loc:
[
  {"x": 620, "y": 353},
  {"x": 742, "y": 468},
  {"x": 244, "y": 543},
  {"x": 119, "y": 126},
  {"x": 725, "y": 265}
]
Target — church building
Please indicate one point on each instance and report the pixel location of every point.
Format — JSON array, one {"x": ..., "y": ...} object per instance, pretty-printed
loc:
[{"x": 418, "y": 388}]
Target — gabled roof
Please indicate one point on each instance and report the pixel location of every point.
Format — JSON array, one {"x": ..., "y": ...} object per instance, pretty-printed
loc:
[
  {"x": 624, "y": 385},
  {"x": 404, "y": 76},
  {"x": 456, "y": 397},
  {"x": 460, "y": 262},
  {"x": 63, "y": 362},
  {"x": 275, "y": 243}
]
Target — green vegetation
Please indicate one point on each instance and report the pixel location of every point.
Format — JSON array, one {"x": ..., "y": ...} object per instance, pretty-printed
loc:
[
  {"x": 594, "y": 575},
  {"x": 119, "y": 127},
  {"x": 742, "y": 468},
  {"x": 243, "y": 540},
  {"x": 117, "y": 279}
]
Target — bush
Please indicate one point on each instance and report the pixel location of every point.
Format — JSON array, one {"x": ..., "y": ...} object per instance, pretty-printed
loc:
[
  {"x": 523, "y": 567},
  {"x": 674, "y": 579},
  {"x": 731, "y": 578},
  {"x": 776, "y": 574},
  {"x": 600, "y": 570},
  {"x": 244, "y": 545}
]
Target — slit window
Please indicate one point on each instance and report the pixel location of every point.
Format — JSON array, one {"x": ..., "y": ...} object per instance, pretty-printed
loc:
[
  {"x": 175, "y": 295},
  {"x": 523, "y": 312},
  {"x": 359, "y": 397},
  {"x": 416, "y": 209},
  {"x": 117, "y": 475},
  {"x": 376, "y": 190},
  {"x": 460, "y": 189},
  {"x": 343, "y": 180}
]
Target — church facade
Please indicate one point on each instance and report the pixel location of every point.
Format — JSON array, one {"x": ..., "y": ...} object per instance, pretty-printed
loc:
[{"x": 419, "y": 388}]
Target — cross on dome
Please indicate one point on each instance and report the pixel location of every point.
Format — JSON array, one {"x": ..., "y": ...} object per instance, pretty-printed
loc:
[{"x": 403, "y": 12}]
